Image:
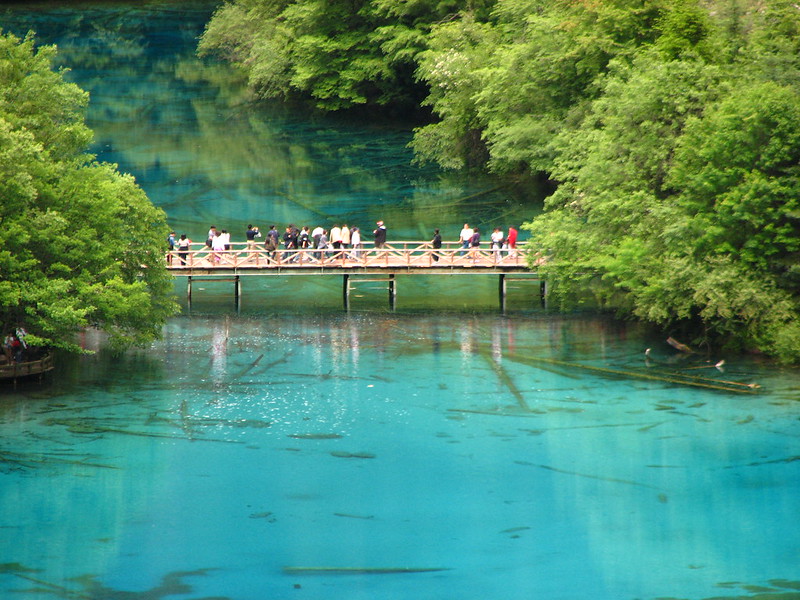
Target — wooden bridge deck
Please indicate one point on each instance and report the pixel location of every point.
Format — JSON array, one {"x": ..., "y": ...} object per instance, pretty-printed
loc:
[
  {"x": 12, "y": 371},
  {"x": 395, "y": 258}
]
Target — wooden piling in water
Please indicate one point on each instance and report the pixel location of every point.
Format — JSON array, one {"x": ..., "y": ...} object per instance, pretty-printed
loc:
[{"x": 381, "y": 264}]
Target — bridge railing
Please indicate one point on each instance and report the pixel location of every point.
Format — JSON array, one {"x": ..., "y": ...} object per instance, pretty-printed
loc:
[
  {"x": 393, "y": 254},
  {"x": 12, "y": 370}
]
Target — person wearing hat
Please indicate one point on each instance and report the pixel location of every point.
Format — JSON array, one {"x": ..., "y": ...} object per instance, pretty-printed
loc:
[{"x": 380, "y": 235}]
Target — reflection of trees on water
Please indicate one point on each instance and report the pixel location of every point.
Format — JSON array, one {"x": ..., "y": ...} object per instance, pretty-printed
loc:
[{"x": 190, "y": 133}]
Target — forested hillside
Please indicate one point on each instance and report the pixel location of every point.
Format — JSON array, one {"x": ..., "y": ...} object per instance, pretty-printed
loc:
[{"x": 670, "y": 128}]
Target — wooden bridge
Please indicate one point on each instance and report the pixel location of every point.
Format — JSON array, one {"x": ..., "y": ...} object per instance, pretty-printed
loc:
[
  {"x": 354, "y": 265},
  {"x": 12, "y": 371}
]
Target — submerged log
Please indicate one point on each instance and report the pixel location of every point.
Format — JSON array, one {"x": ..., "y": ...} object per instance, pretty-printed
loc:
[
  {"x": 315, "y": 436},
  {"x": 714, "y": 384},
  {"x": 678, "y": 346},
  {"x": 359, "y": 570}
]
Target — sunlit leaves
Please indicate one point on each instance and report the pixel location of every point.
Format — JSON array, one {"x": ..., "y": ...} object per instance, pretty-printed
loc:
[{"x": 72, "y": 230}]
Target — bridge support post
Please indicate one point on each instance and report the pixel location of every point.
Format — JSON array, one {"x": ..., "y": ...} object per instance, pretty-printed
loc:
[
  {"x": 392, "y": 291},
  {"x": 501, "y": 292},
  {"x": 237, "y": 290},
  {"x": 346, "y": 291},
  {"x": 189, "y": 289}
]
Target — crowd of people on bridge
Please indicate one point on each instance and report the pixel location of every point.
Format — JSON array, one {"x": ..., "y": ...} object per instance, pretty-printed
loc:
[{"x": 336, "y": 242}]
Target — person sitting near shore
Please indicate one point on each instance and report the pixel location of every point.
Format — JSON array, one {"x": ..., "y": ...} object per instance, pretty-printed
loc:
[
  {"x": 8, "y": 343},
  {"x": 13, "y": 348}
]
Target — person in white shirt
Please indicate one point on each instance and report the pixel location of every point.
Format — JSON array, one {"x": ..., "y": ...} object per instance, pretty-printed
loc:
[
  {"x": 497, "y": 242},
  {"x": 355, "y": 241},
  {"x": 226, "y": 238},
  {"x": 336, "y": 237},
  {"x": 315, "y": 235},
  {"x": 183, "y": 248},
  {"x": 465, "y": 237}
]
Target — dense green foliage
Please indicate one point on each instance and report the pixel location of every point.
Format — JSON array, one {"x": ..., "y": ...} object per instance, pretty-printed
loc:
[
  {"x": 670, "y": 128},
  {"x": 80, "y": 243},
  {"x": 341, "y": 53},
  {"x": 678, "y": 187}
]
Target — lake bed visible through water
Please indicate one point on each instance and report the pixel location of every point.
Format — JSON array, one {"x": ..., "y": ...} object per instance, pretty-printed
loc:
[{"x": 444, "y": 451}]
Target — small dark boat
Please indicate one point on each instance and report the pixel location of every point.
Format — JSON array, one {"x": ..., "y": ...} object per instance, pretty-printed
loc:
[{"x": 20, "y": 370}]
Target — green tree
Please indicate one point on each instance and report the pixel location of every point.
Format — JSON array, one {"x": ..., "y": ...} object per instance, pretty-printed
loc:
[
  {"x": 452, "y": 68},
  {"x": 678, "y": 204},
  {"x": 686, "y": 28},
  {"x": 529, "y": 74},
  {"x": 737, "y": 170},
  {"x": 339, "y": 53},
  {"x": 80, "y": 243}
]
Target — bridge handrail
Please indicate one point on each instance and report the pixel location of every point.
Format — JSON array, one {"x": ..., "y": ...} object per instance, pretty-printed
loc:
[
  {"x": 395, "y": 253},
  {"x": 29, "y": 367}
]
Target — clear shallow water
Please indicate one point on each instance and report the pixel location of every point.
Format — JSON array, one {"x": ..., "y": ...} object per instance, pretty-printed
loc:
[
  {"x": 291, "y": 435},
  {"x": 483, "y": 446}
]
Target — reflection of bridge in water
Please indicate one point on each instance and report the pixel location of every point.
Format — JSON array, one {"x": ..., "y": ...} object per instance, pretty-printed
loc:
[{"x": 355, "y": 266}]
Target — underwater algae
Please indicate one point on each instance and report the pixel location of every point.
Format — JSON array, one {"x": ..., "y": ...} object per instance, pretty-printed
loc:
[
  {"x": 87, "y": 587},
  {"x": 33, "y": 460},
  {"x": 777, "y": 589}
]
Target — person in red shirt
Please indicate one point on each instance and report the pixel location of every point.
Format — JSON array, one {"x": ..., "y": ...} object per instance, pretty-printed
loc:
[{"x": 511, "y": 240}]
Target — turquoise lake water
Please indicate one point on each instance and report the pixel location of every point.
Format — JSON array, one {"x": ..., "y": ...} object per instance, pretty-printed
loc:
[{"x": 288, "y": 450}]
